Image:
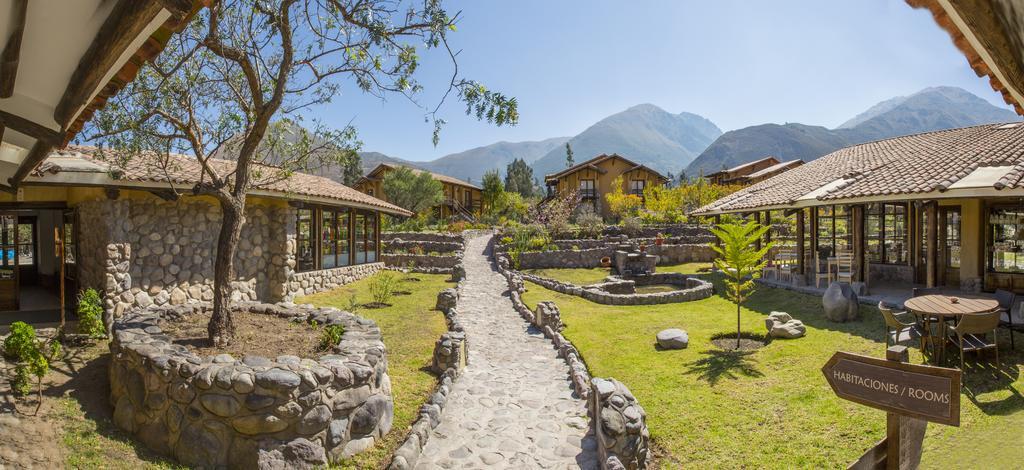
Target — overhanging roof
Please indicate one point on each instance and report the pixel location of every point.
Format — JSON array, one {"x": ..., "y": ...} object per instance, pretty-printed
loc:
[
  {"x": 991, "y": 34},
  {"x": 61, "y": 60}
]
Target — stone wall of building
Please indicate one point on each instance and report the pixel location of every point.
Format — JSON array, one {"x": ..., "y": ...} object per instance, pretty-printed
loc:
[
  {"x": 881, "y": 273},
  {"x": 253, "y": 412},
  {"x": 148, "y": 251},
  {"x": 311, "y": 282}
]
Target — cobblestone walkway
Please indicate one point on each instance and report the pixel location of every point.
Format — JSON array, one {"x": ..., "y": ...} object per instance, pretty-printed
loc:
[{"x": 513, "y": 407}]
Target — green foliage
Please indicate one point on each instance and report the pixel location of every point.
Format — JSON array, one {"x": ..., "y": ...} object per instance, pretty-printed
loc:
[
  {"x": 90, "y": 314},
  {"x": 492, "y": 190},
  {"x": 415, "y": 191},
  {"x": 569, "y": 160},
  {"x": 632, "y": 226},
  {"x": 330, "y": 336},
  {"x": 590, "y": 224},
  {"x": 21, "y": 383},
  {"x": 621, "y": 204},
  {"x": 519, "y": 178},
  {"x": 555, "y": 213},
  {"x": 20, "y": 341},
  {"x": 506, "y": 240},
  {"x": 740, "y": 261},
  {"x": 382, "y": 286},
  {"x": 522, "y": 238}
]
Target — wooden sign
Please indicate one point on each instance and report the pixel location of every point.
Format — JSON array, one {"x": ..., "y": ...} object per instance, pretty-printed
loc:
[{"x": 919, "y": 391}]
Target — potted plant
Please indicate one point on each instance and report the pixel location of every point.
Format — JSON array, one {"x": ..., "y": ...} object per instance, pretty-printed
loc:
[
  {"x": 659, "y": 239},
  {"x": 606, "y": 262}
]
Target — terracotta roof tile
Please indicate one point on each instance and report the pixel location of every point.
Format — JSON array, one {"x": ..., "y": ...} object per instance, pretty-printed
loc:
[
  {"x": 919, "y": 163},
  {"x": 185, "y": 170}
]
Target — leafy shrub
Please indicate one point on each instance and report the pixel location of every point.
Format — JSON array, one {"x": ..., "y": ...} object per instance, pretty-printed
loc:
[
  {"x": 21, "y": 383},
  {"x": 331, "y": 336},
  {"x": 21, "y": 339},
  {"x": 551, "y": 247},
  {"x": 90, "y": 314},
  {"x": 591, "y": 225},
  {"x": 458, "y": 227},
  {"x": 382, "y": 286},
  {"x": 506, "y": 240},
  {"x": 632, "y": 226},
  {"x": 537, "y": 243}
]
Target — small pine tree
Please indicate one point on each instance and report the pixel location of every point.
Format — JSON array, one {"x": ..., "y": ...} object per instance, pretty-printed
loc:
[
  {"x": 740, "y": 261},
  {"x": 569, "y": 161}
]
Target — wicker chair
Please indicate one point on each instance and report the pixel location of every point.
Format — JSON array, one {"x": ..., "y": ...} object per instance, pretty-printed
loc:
[
  {"x": 897, "y": 331},
  {"x": 970, "y": 333},
  {"x": 1007, "y": 300}
]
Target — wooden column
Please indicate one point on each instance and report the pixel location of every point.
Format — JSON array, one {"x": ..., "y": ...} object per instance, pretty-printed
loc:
[
  {"x": 757, "y": 218},
  {"x": 800, "y": 236},
  {"x": 813, "y": 214},
  {"x": 932, "y": 256},
  {"x": 857, "y": 215}
]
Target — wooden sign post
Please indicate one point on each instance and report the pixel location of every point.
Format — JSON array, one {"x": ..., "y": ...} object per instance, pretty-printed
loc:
[{"x": 910, "y": 394}]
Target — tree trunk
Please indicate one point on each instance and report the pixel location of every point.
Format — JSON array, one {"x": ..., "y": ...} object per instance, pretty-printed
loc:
[
  {"x": 737, "y": 326},
  {"x": 221, "y": 329}
]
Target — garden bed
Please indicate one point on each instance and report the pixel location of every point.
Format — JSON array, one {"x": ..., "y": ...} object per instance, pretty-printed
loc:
[{"x": 251, "y": 336}]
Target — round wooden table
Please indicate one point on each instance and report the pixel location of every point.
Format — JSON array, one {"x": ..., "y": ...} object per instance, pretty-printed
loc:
[{"x": 943, "y": 308}]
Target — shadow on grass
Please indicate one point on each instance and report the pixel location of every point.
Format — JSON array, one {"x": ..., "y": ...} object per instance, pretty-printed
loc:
[{"x": 718, "y": 364}]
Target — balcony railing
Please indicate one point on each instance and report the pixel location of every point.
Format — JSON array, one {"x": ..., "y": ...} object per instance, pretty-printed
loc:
[{"x": 588, "y": 193}]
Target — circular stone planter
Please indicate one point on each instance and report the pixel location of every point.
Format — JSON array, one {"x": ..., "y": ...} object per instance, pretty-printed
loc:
[
  {"x": 622, "y": 291},
  {"x": 253, "y": 412}
]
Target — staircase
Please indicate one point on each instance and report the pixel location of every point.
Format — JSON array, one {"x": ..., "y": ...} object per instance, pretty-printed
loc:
[{"x": 460, "y": 211}]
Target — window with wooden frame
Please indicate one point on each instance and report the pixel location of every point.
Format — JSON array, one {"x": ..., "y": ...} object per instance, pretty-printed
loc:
[
  {"x": 833, "y": 230},
  {"x": 951, "y": 252},
  {"x": 885, "y": 229},
  {"x": 324, "y": 238},
  {"x": 304, "y": 232},
  {"x": 587, "y": 189},
  {"x": 637, "y": 187}
]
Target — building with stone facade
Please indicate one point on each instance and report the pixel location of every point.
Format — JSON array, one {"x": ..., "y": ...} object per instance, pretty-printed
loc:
[
  {"x": 461, "y": 198},
  {"x": 593, "y": 179},
  {"x": 140, "y": 237}
]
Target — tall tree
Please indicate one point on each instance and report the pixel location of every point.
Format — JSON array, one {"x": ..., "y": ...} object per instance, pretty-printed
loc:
[
  {"x": 519, "y": 178},
  {"x": 352, "y": 169},
  {"x": 412, "y": 190},
  {"x": 568, "y": 156},
  {"x": 492, "y": 189},
  {"x": 241, "y": 65}
]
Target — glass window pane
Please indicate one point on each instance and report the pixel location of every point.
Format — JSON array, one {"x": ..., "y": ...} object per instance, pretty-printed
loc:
[
  {"x": 304, "y": 240},
  {"x": 328, "y": 239},
  {"x": 1006, "y": 244},
  {"x": 360, "y": 239},
  {"x": 343, "y": 239},
  {"x": 371, "y": 238}
]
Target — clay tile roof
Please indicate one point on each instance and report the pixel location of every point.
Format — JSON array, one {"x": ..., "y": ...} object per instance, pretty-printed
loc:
[
  {"x": 186, "y": 171},
  {"x": 919, "y": 163}
]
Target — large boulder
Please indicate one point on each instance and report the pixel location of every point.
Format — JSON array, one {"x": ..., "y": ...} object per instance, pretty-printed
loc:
[
  {"x": 840, "y": 302},
  {"x": 673, "y": 338},
  {"x": 783, "y": 325}
]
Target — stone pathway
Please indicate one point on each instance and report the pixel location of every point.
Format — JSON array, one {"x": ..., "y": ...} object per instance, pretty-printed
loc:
[{"x": 513, "y": 407}]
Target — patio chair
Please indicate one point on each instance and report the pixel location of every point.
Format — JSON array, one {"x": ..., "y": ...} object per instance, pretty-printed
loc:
[
  {"x": 772, "y": 266},
  {"x": 821, "y": 272},
  {"x": 844, "y": 267},
  {"x": 971, "y": 333},
  {"x": 897, "y": 331},
  {"x": 1007, "y": 300}
]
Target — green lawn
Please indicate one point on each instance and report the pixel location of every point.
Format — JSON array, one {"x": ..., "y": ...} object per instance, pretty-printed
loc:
[
  {"x": 772, "y": 407},
  {"x": 410, "y": 327}
]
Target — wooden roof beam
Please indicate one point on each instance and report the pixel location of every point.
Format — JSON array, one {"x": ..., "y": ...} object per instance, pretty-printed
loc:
[
  {"x": 39, "y": 152},
  {"x": 126, "y": 22},
  {"x": 32, "y": 129},
  {"x": 12, "y": 51}
]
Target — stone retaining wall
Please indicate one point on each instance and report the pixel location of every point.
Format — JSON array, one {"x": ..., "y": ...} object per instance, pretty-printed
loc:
[
  {"x": 564, "y": 259},
  {"x": 451, "y": 355},
  {"x": 253, "y": 412},
  {"x": 694, "y": 233},
  {"x": 695, "y": 289},
  {"x": 618, "y": 420},
  {"x": 669, "y": 254},
  {"x": 401, "y": 246},
  {"x": 311, "y": 282},
  {"x": 422, "y": 237},
  {"x": 436, "y": 263}
]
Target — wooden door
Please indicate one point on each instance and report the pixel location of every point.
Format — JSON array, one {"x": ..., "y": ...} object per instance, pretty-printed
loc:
[{"x": 9, "y": 261}]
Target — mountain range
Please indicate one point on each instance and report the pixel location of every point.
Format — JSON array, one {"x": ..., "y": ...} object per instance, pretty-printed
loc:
[
  {"x": 671, "y": 142},
  {"x": 930, "y": 109}
]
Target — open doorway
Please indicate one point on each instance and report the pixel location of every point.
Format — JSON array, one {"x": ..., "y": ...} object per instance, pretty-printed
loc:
[{"x": 36, "y": 263}]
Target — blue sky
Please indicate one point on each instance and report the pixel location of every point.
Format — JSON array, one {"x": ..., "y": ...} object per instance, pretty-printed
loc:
[{"x": 738, "y": 63}]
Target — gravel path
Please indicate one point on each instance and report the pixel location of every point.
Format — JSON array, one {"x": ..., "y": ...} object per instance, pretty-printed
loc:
[{"x": 513, "y": 407}]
